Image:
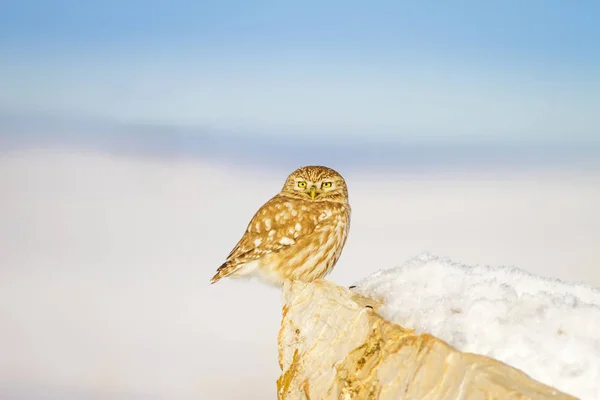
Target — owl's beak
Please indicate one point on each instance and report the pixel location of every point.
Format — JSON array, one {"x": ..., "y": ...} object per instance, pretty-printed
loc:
[{"x": 313, "y": 192}]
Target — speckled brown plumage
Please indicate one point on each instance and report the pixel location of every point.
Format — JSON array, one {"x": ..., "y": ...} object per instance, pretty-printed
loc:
[{"x": 298, "y": 234}]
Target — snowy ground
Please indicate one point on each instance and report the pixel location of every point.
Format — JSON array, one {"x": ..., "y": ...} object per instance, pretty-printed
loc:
[
  {"x": 105, "y": 263},
  {"x": 545, "y": 327}
]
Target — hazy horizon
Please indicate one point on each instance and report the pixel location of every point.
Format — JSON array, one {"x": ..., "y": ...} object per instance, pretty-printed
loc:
[{"x": 236, "y": 148}]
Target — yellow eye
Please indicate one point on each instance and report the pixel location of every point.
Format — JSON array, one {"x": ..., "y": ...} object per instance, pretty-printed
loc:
[
  {"x": 301, "y": 184},
  {"x": 326, "y": 185}
]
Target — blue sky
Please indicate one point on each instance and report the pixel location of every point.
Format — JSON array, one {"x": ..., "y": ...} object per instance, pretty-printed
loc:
[{"x": 396, "y": 69}]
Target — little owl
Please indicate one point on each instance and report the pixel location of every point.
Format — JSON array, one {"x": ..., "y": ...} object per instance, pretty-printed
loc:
[{"x": 296, "y": 235}]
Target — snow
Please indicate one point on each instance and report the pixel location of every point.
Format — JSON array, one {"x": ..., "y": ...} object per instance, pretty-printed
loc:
[{"x": 545, "y": 327}]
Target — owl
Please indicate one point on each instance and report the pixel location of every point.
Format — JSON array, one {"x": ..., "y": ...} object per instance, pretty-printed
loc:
[{"x": 298, "y": 234}]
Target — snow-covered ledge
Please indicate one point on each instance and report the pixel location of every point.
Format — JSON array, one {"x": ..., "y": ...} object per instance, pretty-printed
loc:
[{"x": 336, "y": 343}]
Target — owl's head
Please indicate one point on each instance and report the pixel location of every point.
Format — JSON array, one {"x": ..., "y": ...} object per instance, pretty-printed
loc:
[{"x": 316, "y": 183}]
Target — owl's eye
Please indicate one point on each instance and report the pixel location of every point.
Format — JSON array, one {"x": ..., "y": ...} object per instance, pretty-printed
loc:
[
  {"x": 326, "y": 185},
  {"x": 301, "y": 184}
]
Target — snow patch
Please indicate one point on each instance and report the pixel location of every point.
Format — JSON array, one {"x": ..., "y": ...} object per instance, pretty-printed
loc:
[{"x": 547, "y": 328}]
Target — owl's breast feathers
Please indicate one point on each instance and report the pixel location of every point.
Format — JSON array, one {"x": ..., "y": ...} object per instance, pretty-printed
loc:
[{"x": 283, "y": 224}]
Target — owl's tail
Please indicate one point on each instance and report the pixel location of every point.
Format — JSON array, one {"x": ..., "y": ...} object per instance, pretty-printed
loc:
[
  {"x": 234, "y": 270},
  {"x": 222, "y": 271}
]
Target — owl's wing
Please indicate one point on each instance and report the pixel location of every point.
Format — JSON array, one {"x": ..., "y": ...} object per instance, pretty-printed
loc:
[{"x": 278, "y": 224}]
